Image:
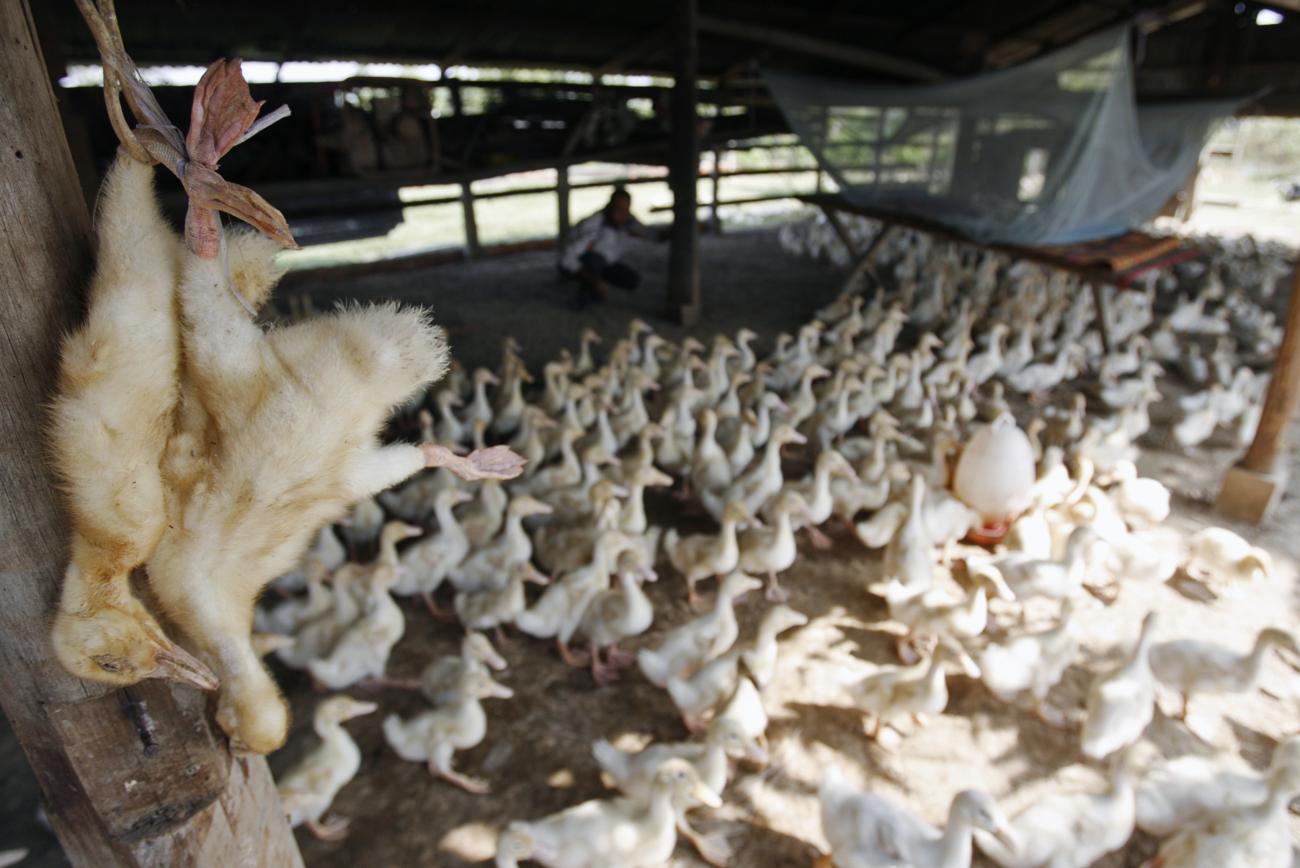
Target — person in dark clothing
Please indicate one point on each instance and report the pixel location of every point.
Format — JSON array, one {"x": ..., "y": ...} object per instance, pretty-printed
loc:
[{"x": 592, "y": 253}]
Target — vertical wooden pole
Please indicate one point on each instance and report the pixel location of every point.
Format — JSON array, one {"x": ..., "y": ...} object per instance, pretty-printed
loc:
[
  {"x": 684, "y": 168},
  {"x": 1254, "y": 486},
  {"x": 136, "y": 778},
  {"x": 562, "y": 201},
  {"x": 714, "y": 221},
  {"x": 471, "y": 226}
]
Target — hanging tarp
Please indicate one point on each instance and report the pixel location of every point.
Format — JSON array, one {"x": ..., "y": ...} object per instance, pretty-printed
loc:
[{"x": 1051, "y": 152}]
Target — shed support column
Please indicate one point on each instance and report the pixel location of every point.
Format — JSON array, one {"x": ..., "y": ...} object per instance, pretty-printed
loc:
[
  {"x": 130, "y": 778},
  {"x": 562, "y": 201},
  {"x": 1254, "y": 485},
  {"x": 684, "y": 169},
  {"x": 715, "y": 222},
  {"x": 471, "y": 226}
]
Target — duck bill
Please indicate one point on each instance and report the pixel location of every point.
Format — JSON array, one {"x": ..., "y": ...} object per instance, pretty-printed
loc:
[
  {"x": 705, "y": 796},
  {"x": 496, "y": 661},
  {"x": 755, "y": 754},
  {"x": 360, "y": 708},
  {"x": 177, "y": 664},
  {"x": 500, "y": 691}
]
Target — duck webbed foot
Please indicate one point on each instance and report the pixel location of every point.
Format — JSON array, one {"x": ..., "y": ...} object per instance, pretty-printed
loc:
[
  {"x": 774, "y": 592},
  {"x": 818, "y": 539},
  {"x": 474, "y": 786},
  {"x": 495, "y": 462},
  {"x": 335, "y": 829}
]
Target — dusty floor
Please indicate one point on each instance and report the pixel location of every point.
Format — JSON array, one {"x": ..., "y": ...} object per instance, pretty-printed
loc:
[{"x": 536, "y": 754}]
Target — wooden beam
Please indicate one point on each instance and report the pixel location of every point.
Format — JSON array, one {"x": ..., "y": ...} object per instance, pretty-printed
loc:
[
  {"x": 684, "y": 168},
  {"x": 850, "y": 55},
  {"x": 1255, "y": 485},
  {"x": 633, "y": 51},
  {"x": 136, "y": 778},
  {"x": 716, "y": 176}
]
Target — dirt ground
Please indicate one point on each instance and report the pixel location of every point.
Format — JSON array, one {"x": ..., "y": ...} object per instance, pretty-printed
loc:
[{"x": 537, "y": 751}]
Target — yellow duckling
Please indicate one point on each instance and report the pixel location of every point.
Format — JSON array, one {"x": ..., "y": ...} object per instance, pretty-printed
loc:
[
  {"x": 610, "y": 833},
  {"x": 308, "y": 789},
  {"x": 702, "y": 556},
  {"x": 1121, "y": 702},
  {"x": 433, "y": 737},
  {"x": 686, "y": 648}
]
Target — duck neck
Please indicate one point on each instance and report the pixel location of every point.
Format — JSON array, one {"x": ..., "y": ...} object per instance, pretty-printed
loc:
[
  {"x": 1255, "y": 661},
  {"x": 387, "y": 550},
  {"x": 633, "y": 518},
  {"x": 447, "y": 524},
  {"x": 335, "y": 738}
]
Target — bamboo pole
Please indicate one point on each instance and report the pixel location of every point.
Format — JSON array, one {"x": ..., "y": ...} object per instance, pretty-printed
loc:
[{"x": 138, "y": 778}]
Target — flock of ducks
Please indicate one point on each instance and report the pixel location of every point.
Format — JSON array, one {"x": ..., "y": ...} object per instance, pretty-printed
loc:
[{"x": 855, "y": 419}]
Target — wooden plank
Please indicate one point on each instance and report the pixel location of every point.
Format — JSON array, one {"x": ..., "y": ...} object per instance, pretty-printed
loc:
[
  {"x": 129, "y": 778},
  {"x": 1283, "y": 391},
  {"x": 684, "y": 168}
]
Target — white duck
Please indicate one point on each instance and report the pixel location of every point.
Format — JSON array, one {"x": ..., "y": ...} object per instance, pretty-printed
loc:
[
  {"x": 772, "y": 550},
  {"x": 1121, "y": 701},
  {"x": 1218, "y": 554},
  {"x": 362, "y": 650},
  {"x": 701, "y": 556},
  {"x": 490, "y": 607},
  {"x": 891, "y": 692},
  {"x": 1068, "y": 830},
  {"x": 762, "y": 481},
  {"x": 1257, "y": 836},
  {"x": 433, "y": 737},
  {"x": 1180, "y": 793},
  {"x": 308, "y": 789},
  {"x": 613, "y": 615},
  {"x": 489, "y": 566},
  {"x": 442, "y": 677},
  {"x": 426, "y": 563},
  {"x": 1194, "y": 666},
  {"x": 1032, "y": 663},
  {"x": 865, "y": 830},
  {"x": 691, "y": 645},
  {"x": 610, "y": 833}
]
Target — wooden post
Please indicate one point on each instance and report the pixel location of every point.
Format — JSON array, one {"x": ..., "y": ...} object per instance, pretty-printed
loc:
[
  {"x": 471, "y": 226},
  {"x": 1254, "y": 486},
  {"x": 1103, "y": 313},
  {"x": 684, "y": 169},
  {"x": 137, "y": 777},
  {"x": 562, "y": 201},
  {"x": 714, "y": 221}
]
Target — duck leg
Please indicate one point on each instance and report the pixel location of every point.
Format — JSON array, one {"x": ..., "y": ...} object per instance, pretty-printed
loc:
[
  {"x": 774, "y": 592},
  {"x": 713, "y": 849},
  {"x": 331, "y": 830},
  {"x": 568, "y": 655},
  {"x": 602, "y": 671},
  {"x": 619, "y": 657},
  {"x": 818, "y": 539},
  {"x": 440, "y": 767},
  {"x": 438, "y": 612}
]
